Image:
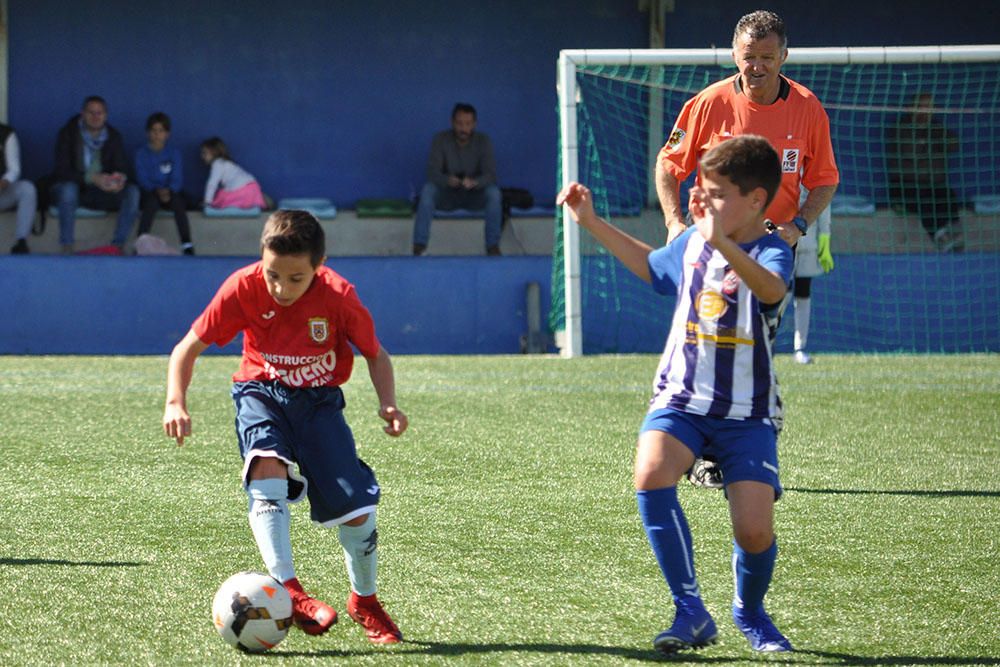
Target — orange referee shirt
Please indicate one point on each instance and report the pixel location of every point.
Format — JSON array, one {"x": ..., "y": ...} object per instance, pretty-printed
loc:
[{"x": 796, "y": 125}]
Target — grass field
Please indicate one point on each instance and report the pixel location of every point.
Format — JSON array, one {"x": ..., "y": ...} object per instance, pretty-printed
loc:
[{"x": 508, "y": 527}]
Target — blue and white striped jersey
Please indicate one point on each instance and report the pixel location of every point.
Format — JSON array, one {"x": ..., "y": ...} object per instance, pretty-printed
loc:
[{"x": 717, "y": 360}]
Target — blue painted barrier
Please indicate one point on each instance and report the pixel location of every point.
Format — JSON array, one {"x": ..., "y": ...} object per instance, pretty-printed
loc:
[
  {"x": 144, "y": 305},
  {"x": 476, "y": 305},
  {"x": 868, "y": 303}
]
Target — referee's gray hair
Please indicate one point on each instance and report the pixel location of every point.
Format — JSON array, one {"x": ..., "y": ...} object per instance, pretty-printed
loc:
[{"x": 760, "y": 24}]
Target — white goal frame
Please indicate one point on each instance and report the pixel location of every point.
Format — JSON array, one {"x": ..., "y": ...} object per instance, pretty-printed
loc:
[{"x": 570, "y": 59}]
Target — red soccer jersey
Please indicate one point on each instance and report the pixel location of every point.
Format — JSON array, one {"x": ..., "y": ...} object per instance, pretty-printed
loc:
[
  {"x": 796, "y": 125},
  {"x": 306, "y": 344}
]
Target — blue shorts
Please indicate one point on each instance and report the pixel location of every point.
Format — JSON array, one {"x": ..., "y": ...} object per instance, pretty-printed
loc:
[
  {"x": 306, "y": 428},
  {"x": 746, "y": 449}
]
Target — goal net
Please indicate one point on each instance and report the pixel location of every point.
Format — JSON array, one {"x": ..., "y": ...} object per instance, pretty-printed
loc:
[{"x": 917, "y": 269}]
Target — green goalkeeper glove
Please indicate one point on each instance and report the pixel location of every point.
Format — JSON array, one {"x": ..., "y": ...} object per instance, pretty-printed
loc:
[{"x": 823, "y": 254}]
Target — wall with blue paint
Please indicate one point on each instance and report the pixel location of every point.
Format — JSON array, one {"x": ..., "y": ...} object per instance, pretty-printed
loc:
[
  {"x": 339, "y": 99},
  {"x": 114, "y": 305},
  {"x": 869, "y": 303},
  {"x": 462, "y": 305},
  {"x": 316, "y": 98}
]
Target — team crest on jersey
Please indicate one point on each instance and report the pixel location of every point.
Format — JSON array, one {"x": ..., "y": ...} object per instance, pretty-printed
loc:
[
  {"x": 790, "y": 160},
  {"x": 319, "y": 329},
  {"x": 675, "y": 138},
  {"x": 709, "y": 304},
  {"x": 730, "y": 283}
]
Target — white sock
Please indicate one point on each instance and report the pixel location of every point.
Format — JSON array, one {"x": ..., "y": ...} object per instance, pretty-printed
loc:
[
  {"x": 360, "y": 554},
  {"x": 803, "y": 308},
  {"x": 269, "y": 521}
]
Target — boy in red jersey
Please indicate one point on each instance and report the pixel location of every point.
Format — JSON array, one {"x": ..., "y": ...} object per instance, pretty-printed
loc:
[{"x": 299, "y": 319}]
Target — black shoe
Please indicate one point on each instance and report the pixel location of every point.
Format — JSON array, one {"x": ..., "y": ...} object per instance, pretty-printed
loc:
[
  {"x": 706, "y": 473},
  {"x": 419, "y": 249},
  {"x": 493, "y": 251},
  {"x": 20, "y": 248},
  {"x": 188, "y": 249}
]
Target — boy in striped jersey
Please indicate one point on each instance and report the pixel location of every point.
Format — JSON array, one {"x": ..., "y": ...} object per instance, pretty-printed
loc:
[{"x": 715, "y": 390}]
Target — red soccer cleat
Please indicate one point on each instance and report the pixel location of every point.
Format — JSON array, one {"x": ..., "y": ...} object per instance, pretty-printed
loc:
[
  {"x": 309, "y": 614},
  {"x": 369, "y": 614}
]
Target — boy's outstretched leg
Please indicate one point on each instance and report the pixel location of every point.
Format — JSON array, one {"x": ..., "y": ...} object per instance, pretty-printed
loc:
[
  {"x": 360, "y": 556},
  {"x": 310, "y": 615},
  {"x": 670, "y": 538},
  {"x": 269, "y": 521}
]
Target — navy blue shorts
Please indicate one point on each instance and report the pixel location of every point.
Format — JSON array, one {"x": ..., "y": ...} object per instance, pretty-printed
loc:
[
  {"x": 746, "y": 449},
  {"x": 306, "y": 429}
]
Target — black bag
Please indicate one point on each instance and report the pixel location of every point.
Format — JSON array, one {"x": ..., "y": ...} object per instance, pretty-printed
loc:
[
  {"x": 515, "y": 198},
  {"x": 43, "y": 185}
]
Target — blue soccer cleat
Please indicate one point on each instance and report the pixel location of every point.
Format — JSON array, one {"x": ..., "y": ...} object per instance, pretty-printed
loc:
[
  {"x": 692, "y": 629},
  {"x": 760, "y": 631}
]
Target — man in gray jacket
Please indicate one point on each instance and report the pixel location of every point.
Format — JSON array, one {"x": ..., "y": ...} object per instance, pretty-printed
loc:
[{"x": 461, "y": 174}]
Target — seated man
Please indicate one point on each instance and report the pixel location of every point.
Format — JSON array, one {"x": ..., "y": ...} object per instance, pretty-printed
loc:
[
  {"x": 92, "y": 171},
  {"x": 461, "y": 173},
  {"x": 16, "y": 193}
]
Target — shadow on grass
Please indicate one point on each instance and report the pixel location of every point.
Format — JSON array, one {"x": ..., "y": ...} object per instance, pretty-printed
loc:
[
  {"x": 445, "y": 649},
  {"x": 454, "y": 650},
  {"x": 897, "y": 492},
  {"x": 76, "y": 563},
  {"x": 825, "y": 658}
]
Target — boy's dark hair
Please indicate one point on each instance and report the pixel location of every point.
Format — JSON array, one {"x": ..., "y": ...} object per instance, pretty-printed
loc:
[
  {"x": 217, "y": 147},
  {"x": 294, "y": 232},
  {"x": 463, "y": 107},
  {"x": 94, "y": 98},
  {"x": 760, "y": 24},
  {"x": 158, "y": 117},
  {"x": 749, "y": 161}
]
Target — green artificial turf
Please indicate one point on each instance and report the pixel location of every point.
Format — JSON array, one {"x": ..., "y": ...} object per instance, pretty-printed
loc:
[{"x": 508, "y": 530}]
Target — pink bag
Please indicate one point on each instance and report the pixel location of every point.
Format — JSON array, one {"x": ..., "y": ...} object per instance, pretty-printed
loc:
[{"x": 149, "y": 244}]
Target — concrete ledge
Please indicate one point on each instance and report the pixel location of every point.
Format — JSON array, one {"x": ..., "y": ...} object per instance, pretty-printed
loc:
[
  {"x": 347, "y": 235},
  {"x": 884, "y": 232},
  {"x": 887, "y": 232}
]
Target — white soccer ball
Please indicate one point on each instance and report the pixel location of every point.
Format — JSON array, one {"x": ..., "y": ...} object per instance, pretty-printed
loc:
[{"x": 252, "y": 611}]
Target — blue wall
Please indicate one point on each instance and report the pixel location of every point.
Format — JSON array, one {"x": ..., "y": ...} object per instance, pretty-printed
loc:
[
  {"x": 698, "y": 24},
  {"x": 339, "y": 99},
  {"x": 869, "y": 303},
  {"x": 115, "y": 305},
  {"x": 462, "y": 305},
  {"x": 316, "y": 98}
]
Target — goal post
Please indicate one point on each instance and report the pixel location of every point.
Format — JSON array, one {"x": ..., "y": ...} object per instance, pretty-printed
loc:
[{"x": 611, "y": 130}]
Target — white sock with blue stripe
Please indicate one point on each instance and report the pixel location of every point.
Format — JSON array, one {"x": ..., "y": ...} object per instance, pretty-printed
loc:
[
  {"x": 360, "y": 554},
  {"x": 270, "y": 523}
]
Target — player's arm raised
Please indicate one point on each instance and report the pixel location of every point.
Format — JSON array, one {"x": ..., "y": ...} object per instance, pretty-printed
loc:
[
  {"x": 176, "y": 420},
  {"x": 384, "y": 381},
  {"x": 630, "y": 251},
  {"x": 766, "y": 285}
]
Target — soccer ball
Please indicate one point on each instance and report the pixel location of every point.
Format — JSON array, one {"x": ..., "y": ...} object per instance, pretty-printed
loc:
[{"x": 252, "y": 611}]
